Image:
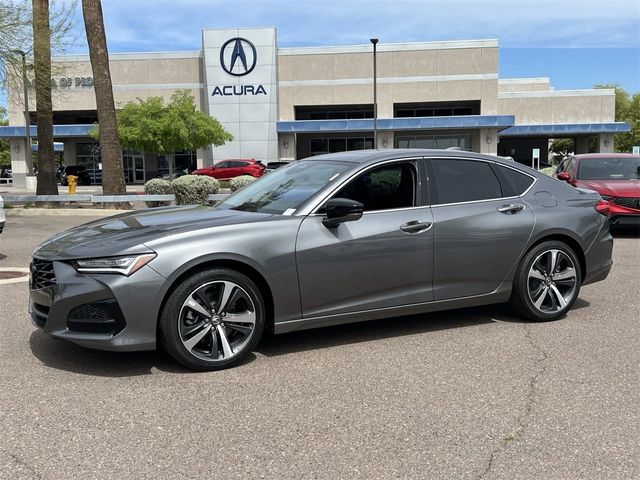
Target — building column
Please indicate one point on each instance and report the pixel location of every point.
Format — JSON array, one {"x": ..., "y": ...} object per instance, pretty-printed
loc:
[
  {"x": 19, "y": 169},
  {"x": 385, "y": 140},
  {"x": 488, "y": 141},
  {"x": 582, "y": 145},
  {"x": 606, "y": 143}
]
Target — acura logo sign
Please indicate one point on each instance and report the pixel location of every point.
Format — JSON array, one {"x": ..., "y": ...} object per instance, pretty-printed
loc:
[{"x": 238, "y": 56}]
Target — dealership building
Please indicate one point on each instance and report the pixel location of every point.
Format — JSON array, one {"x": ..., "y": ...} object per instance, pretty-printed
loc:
[{"x": 282, "y": 104}]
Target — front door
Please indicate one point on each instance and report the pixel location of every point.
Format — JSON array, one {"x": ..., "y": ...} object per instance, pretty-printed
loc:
[
  {"x": 133, "y": 164},
  {"x": 480, "y": 226},
  {"x": 384, "y": 259}
]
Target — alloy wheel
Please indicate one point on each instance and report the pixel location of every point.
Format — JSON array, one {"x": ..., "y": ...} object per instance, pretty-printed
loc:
[
  {"x": 552, "y": 281},
  {"x": 217, "y": 320}
]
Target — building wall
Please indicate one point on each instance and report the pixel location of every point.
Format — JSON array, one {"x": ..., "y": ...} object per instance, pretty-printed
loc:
[
  {"x": 524, "y": 84},
  {"x": 419, "y": 72}
]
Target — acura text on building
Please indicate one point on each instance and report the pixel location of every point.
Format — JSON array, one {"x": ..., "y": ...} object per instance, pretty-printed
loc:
[{"x": 239, "y": 90}]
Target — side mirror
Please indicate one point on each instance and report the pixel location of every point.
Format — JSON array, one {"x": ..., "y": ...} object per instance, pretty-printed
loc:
[
  {"x": 340, "y": 210},
  {"x": 564, "y": 176}
]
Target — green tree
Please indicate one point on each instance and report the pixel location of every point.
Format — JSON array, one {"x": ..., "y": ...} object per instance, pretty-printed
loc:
[
  {"x": 5, "y": 152},
  {"x": 627, "y": 110},
  {"x": 561, "y": 147},
  {"x": 152, "y": 126}
]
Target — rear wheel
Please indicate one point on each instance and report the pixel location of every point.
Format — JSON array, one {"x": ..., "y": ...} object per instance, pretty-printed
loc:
[
  {"x": 212, "y": 320},
  {"x": 547, "y": 282}
]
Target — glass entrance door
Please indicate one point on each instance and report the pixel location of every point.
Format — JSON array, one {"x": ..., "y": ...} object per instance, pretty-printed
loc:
[{"x": 133, "y": 163}]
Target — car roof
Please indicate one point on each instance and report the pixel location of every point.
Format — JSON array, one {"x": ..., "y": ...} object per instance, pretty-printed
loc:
[
  {"x": 585, "y": 156},
  {"x": 374, "y": 156}
]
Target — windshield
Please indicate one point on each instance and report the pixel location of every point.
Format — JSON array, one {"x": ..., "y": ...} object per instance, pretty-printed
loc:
[
  {"x": 610, "y": 168},
  {"x": 287, "y": 188}
]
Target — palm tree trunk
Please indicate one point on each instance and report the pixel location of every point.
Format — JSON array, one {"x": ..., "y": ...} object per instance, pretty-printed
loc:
[
  {"x": 111, "y": 153},
  {"x": 47, "y": 184}
]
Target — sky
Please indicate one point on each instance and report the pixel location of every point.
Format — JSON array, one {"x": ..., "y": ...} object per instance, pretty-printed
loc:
[{"x": 577, "y": 43}]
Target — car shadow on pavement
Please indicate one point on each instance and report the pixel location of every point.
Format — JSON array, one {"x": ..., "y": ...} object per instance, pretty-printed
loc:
[
  {"x": 67, "y": 356},
  {"x": 375, "y": 330},
  {"x": 63, "y": 355}
]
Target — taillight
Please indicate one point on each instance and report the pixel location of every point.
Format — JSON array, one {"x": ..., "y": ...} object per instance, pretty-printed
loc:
[{"x": 603, "y": 207}]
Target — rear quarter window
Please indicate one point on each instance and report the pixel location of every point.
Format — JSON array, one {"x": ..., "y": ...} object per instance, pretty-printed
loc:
[{"x": 518, "y": 181}]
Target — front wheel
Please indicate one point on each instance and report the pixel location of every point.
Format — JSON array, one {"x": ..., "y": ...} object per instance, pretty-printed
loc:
[
  {"x": 212, "y": 319},
  {"x": 547, "y": 282}
]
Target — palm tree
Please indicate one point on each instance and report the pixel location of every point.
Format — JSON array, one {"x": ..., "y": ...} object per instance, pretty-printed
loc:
[
  {"x": 111, "y": 153},
  {"x": 47, "y": 184}
]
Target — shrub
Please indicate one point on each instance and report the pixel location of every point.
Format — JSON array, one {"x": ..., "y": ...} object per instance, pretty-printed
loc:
[
  {"x": 194, "y": 189},
  {"x": 548, "y": 171},
  {"x": 240, "y": 182},
  {"x": 158, "y": 186}
]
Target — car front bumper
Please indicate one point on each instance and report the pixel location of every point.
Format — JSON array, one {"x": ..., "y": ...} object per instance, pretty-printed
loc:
[{"x": 102, "y": 311}]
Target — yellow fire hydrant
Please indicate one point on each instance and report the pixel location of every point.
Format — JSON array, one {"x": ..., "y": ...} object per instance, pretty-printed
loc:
[{"x": 73, "y": 183}]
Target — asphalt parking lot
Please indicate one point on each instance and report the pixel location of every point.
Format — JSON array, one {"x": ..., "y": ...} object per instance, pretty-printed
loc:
[{"x": 472, "y": 393}]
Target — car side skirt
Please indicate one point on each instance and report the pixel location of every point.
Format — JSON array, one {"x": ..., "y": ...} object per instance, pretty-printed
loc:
[{"x": 500, "y": 295}]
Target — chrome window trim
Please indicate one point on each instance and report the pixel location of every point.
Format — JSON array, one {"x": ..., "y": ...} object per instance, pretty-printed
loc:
[{"x": 313, "y": 210}]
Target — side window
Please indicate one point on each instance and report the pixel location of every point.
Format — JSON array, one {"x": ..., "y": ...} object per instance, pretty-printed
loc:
[
  {"x": 457, "y": 181},
  {"x": 518, "y": 181},
  {"x": 563, "y": 165},
  {"x": 571, "y": 167},
  {"x": 221, "y": 165},
  {"x": 390, "y": 186}
]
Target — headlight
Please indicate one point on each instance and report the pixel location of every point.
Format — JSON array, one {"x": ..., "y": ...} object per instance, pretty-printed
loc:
[{"x": 122, "y": 265}]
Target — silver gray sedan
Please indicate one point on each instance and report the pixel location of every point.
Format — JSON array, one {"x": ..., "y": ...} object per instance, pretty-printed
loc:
[{"x": 331, "y": 239}]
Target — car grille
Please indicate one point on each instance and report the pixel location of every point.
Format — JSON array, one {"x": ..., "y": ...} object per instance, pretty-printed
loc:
[
  {"x": 42, "y": 274},
  {"x": 629, "y": 202}
]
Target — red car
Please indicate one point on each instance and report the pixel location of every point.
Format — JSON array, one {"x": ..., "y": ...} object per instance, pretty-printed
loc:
[
  {"x": 233, "y": 168},
  {"x": 615, "y": 176}
]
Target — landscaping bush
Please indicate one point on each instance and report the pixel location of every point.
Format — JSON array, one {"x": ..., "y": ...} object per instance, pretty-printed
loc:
[
  {"x": 194, "y": 189},
  {"x": 158, "y": 186},
  {"x": 548, "y": 171},
  {"x": 240, "y": 182}
]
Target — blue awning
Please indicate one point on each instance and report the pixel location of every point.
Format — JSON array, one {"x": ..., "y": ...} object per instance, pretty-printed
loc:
[
  {"x": 59, "y": 131},
  {"x": 412, "y": 123},
  {"x": 565, "y": 129},
  {"x": 57, "y": 147}
]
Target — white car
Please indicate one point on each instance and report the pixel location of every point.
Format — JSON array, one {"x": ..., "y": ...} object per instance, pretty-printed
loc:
[{"x": 2, "y": 219}]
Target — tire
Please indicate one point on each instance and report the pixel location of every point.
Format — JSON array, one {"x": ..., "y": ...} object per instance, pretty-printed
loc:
[
  {"x": 199, "y": 334},
  {"x": 540, "y": 294}
]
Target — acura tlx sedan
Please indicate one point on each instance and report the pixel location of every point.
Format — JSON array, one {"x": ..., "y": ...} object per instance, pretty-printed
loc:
[{"x": 331, "y": 239}]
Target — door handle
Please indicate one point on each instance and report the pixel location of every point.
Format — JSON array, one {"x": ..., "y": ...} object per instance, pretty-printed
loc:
[
  {"x": 415, "y": 226},
  {"x": 511, "y": 209}
]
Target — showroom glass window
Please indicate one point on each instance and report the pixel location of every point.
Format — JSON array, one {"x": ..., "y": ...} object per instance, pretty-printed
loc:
[
  {"x": 455, "y": 181},
  {"x": 387, "y": 187}
]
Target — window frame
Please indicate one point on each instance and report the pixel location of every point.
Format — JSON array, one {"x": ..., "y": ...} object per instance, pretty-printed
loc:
[{"x": 509, "y": 194}]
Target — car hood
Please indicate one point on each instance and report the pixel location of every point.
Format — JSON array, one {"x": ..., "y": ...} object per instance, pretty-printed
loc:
[
  {"x": 613, "y": 188},
  {"x": 127, "y": 233}
]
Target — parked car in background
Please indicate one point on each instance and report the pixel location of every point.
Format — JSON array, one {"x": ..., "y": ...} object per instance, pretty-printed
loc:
[
  {"x": 271, "y": 166},
  {"x": 2, "y": 218},
  {"x": 331, "y": 239},
  {"x": 232, "y": 168},
  {"x": 83, "y": 177},
  {"x": 615, "y": 176}
]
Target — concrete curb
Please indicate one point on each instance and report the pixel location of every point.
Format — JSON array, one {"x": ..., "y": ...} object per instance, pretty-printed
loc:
[{"x": 61, "y": 212}]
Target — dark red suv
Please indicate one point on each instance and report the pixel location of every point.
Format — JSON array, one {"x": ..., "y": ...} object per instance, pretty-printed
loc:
[
  {"x": 615, "y": 176},
  {"x": 233, "y": 167}
]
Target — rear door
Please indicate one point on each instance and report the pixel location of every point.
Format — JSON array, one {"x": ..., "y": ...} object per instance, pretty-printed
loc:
[
  {"x": 384, "y": 259},
  {"x": 481, "y": 225},
  {"x": 220, "y": 170}
]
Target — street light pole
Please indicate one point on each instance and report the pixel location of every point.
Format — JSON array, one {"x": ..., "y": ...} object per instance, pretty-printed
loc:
[
  {"x": 374, "y": 41},
  {"x": 27, "y": 116}
]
